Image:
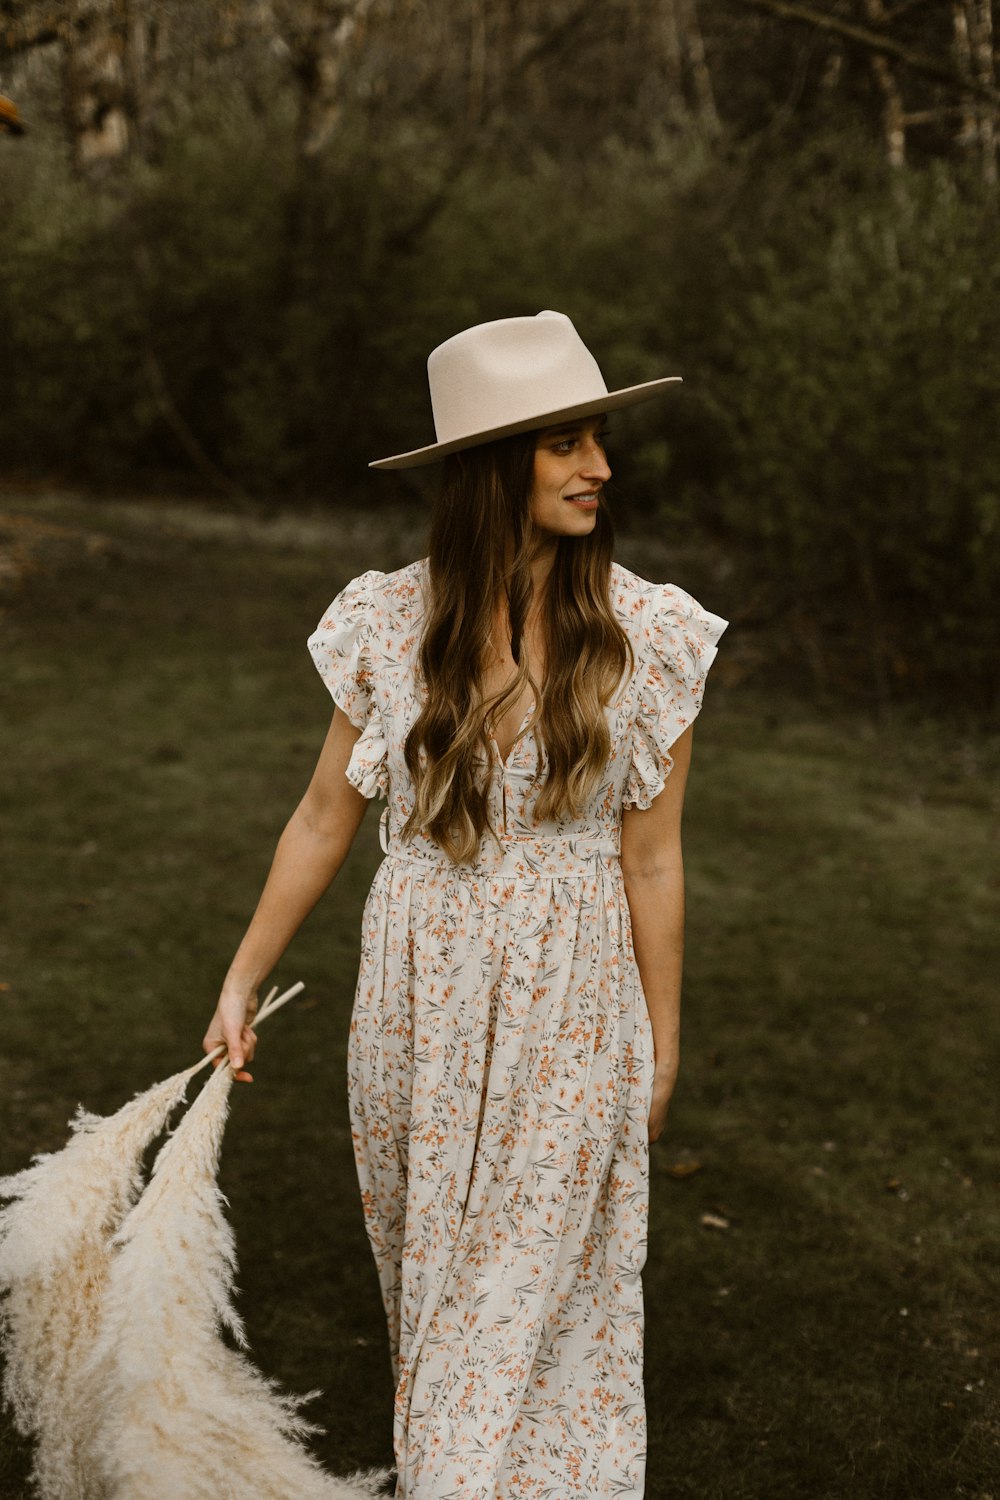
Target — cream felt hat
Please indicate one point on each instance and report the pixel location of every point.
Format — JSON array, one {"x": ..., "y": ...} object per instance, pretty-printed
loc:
[{"x": 513, "y": 375}]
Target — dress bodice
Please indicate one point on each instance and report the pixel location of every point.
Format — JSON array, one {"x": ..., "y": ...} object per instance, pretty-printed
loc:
[{"x": 366, "y": 648}]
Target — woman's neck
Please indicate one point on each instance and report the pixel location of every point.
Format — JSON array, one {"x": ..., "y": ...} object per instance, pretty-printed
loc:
[{"x": 542, "y": 562}]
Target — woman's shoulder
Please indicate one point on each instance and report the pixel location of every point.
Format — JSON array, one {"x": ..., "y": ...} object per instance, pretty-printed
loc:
[
  {"x": 373, "y": 620},
  {"x": 635, "y": 599},
  {"x": 375, "y": 594},
  {"x": 663, "y": 619},
  {"x": 405, "y": 586},
  {"x": 397, "y": 598}
]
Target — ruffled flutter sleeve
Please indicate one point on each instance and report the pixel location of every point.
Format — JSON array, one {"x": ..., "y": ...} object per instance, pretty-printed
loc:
[
  {"x": 342, "y": 649},
  {"x": 677, "y": 649}
]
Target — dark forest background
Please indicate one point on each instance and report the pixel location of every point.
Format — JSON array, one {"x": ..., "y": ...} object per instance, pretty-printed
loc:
[{"x": 231, "y": 232}]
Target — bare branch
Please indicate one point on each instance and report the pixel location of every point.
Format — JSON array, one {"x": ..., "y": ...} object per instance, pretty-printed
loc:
[
  {"x": 877, "y": 41},
  {"x": 491, "y": 123},
  {"x": 894, "y": 12}
]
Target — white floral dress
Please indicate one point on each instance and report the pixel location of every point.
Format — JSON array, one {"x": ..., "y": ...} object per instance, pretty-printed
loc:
[{"x": 500, "y": 1067}]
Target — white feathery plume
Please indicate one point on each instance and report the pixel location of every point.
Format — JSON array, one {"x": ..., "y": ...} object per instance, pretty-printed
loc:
[
  {"x": 175, "y": 1412},
  {"x": 54, "y": 1259}
]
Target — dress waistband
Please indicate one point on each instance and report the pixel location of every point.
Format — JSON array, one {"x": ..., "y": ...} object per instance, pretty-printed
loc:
[{"x": 554, "y": 855}]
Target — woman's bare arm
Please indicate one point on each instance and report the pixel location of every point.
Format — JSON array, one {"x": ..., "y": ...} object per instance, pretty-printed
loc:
[
  {"x": 311, "y": 850},
  {"x": 653, "y": 868}
]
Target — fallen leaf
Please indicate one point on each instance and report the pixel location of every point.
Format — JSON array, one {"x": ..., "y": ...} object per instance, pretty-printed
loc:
[
  {"x": 683, "y": 1168},
  {"x": 713, "y": 1221}
]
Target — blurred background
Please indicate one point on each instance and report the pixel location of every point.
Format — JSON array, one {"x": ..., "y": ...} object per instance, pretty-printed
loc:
[{"x": 230, "y": 233}]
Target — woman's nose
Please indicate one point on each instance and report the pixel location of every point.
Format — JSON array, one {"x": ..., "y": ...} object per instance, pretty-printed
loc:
[{"x": 595, "y": 463}]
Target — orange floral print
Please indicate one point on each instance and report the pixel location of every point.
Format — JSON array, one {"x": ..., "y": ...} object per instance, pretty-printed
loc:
[{"x": 500, "y": 1067}]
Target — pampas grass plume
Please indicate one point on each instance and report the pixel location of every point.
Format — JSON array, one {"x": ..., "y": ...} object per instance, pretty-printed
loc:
[
  {"x": 54, "y": 1260},
  {"x": 178, "y": 1414},
  {"x": 113, "y": 1313}
]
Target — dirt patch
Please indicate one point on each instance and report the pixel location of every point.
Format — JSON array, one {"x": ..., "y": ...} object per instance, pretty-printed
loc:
[
  {"x": 31, "y": 544},
  {"x": 43, "y": 531}
]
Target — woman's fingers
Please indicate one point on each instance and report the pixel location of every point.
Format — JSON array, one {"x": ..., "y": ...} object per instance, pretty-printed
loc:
[
  {"x": 232, "y": 1034},
  {"x": 230, "y": 1028}
]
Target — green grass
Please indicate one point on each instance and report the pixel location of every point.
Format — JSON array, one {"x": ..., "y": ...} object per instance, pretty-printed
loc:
[{"x": 840, "y": 1338}]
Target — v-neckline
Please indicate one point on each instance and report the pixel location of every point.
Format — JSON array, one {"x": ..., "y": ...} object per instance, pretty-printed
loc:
[{"x": 519, "y": 735}]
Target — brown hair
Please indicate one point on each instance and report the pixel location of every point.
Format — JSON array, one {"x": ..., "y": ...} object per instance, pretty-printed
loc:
[{"x": 481, "y": 547}]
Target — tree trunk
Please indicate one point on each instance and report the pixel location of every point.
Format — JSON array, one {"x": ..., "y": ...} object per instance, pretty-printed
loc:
[
  {"x": 701, "y": 78},
  {"x": 96, "y": 94},
  {"x": 672, "y": 54},
  {"x": 972, "y": 33},
  {"x": 980, "y": 14},
  {"x": 322, "y": 37},
  {"x": 688, "y": 79},
  {"x": 893, "y": 114},
  {"x": 968, "y": 132}
]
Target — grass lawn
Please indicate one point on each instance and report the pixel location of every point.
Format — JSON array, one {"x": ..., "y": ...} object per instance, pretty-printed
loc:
[{"x": 832, "y": 1330}]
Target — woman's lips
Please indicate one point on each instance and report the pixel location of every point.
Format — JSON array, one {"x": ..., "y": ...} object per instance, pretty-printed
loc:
[{"x": 583, "y": 502}]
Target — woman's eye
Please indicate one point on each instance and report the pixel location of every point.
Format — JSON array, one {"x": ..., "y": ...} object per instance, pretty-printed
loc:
[
  {"x": 602, "y": 437},
  {"x": 566, "y": 446}
]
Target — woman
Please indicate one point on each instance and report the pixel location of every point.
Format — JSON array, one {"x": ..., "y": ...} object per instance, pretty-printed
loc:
[{"x": 525, "y": 706}]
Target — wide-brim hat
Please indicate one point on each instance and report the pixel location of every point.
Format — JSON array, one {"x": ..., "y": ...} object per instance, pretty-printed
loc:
[{"x": 514, "y": 375}]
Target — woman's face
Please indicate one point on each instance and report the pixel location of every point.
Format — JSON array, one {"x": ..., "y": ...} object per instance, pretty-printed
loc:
[{"x": 570, "y": 470}]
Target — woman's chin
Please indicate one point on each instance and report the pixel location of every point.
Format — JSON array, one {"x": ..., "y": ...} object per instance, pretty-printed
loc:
[{"x": 580, "y": 523}]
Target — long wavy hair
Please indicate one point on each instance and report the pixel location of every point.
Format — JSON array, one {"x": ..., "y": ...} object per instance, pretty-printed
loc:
[{"x": 481, "y": 547}]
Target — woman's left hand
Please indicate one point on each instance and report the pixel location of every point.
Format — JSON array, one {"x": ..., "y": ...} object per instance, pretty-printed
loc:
[{"x": 663, "y": 1088}]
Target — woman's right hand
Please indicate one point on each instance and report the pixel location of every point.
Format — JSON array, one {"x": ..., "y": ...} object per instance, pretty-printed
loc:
[{"x": 232, "y": 1026}]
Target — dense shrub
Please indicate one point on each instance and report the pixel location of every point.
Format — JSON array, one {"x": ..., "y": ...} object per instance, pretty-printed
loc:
[
  {"x": 837, "y": 326},
  {"x": 859, "y": 407}
]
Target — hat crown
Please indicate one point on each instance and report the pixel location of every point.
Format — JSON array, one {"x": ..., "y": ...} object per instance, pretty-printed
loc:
[
  {"x": 508, "y": 372},
  {"x": 514, "y": 375}
]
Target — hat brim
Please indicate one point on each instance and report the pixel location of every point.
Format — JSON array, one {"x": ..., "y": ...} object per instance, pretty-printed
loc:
[{"x": 613, "y": 401}]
